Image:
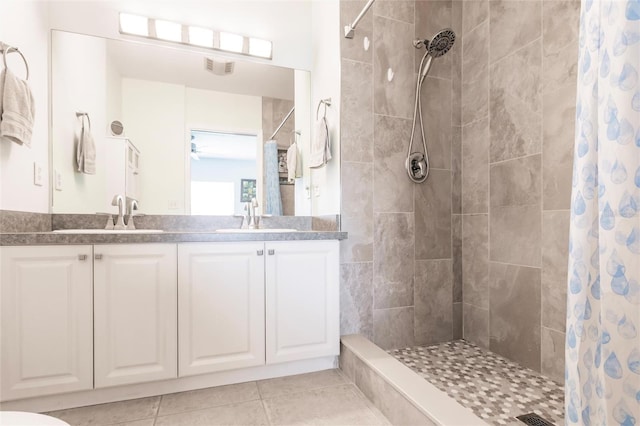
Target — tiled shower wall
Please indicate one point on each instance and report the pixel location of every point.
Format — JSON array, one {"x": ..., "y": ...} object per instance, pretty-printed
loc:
[
  {"x": 518, "y": 105},
  {"x": 397, "y": 268}
]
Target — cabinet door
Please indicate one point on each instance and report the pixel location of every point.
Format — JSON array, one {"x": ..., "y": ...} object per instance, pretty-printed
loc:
[
  {"x": 221, "y": 306},
  {"x": 46, "y": 320},
  {"x": 302, "y": 299},
  {"x": 135, "y": 313}
]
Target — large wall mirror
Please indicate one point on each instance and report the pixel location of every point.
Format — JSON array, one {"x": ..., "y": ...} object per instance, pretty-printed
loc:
[{"x": 194, "y": 126}]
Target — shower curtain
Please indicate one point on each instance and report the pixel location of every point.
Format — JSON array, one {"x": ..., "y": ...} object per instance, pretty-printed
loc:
[
  {"x": 273, "y": 199},
  {"x": 603, "y": 300}
]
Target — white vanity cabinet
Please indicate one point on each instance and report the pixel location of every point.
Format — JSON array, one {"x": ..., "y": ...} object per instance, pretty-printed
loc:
[
  {"x": 302, "y": 300},
  {"x": 135, "y": 317},
  {"x": 221, "y": 306},
  {"x": 249, "y": 304},
  {"x": 46, "y": 322}
]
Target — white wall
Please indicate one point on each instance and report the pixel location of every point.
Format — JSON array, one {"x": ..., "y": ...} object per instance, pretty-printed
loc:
[
  {"x": 78, "y": 84},
  {"x": 153, "y": 118},
  {"x": 25, "y": 24},
  {"x": 325, "y": 83},
  {"x": 158, "y": 118}
]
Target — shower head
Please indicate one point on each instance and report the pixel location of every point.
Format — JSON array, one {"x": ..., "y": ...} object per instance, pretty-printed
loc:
[{"x": 441, "y": 43}]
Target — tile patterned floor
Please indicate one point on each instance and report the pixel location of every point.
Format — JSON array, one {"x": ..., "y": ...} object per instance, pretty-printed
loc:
[
  {"x": 495, "y": 388},
  {"x": 322, "y": 398}
]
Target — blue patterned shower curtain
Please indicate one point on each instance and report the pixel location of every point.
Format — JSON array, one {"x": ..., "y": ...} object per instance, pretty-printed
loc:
[{"x": 603, "y": 307}]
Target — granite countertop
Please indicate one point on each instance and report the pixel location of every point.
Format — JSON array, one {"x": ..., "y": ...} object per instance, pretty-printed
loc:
[{"x": 50, "y": 238}]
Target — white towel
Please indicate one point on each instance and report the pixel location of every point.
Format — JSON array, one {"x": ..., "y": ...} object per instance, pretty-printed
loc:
[
  {"x": 18, "y": 109},
  {"x": 86, "y": 149},
  {"x": 321, "y": 145},
  {"x": 292, "y": 162}
]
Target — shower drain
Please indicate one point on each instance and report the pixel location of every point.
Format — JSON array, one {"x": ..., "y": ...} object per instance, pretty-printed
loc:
[{"x": 533, "y": 419}]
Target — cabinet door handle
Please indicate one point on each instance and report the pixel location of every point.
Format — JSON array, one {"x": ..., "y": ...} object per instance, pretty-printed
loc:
[
  {"x": 260, "y": 252},
  {"x": 272, "y": 252},
  {"x": 98, "y": 257},
  {"x": 82, "y": 257}
]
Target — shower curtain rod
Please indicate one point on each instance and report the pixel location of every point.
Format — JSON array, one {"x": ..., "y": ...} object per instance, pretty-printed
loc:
[
  {"x": 282, "y": 124},
  {"x": 349, "y": 29}
]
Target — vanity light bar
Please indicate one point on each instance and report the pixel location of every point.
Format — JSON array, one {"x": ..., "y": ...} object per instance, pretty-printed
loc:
[{"x": 195, "y": 36}]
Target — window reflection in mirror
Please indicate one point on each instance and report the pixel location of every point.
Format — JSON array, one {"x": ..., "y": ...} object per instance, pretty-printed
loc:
[{"x": 223, "y": 172}]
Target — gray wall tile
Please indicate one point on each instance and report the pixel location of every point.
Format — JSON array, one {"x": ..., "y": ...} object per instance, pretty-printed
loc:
[
  {"x": 475, "y": 49},
  {"x": 457, "y": 321},
  {"x": 356, "y": 299},
  {"x": 393, "y": 328},
  {"x": 473, "y": 13},
  {"x": 514, "y": 313},
  {"x": 552, "y": 354},
  {"x": 456, "y": 170},
  {"x": 433, "y": 216},
  {"x": 515, "y": 102},
  {"x": 357, "y": 212},
  {"x": 515, "y": 233},
  {"x": 476, "y": 325},
  {"x": 393, "y": 260},
  {"x": 354, "y": 48},
  {"x": 475, "y": 260},
  {"x": 475, "y": 167},
  {"x": 399, "y": 10},
  {"x": 555, "y": 245},
  {"x": 513, "y": 25},
  {"x": 393, "y": 49},
  {"x": 433, "y": 302},
  {"x": 517, "y": 182},
  {"x": 554, "y": 304},
  {"x": 456, "y": 250},
  {"x": 475, "y": 100},
  {"x": 359, "y": 246},
  {"x": 392, "y": 188},
  {"x": 557, "y": 155},
  {"x": 436, "y": 114},
  {"x": 356, "y": 109},
  {"x": 560, "y": 24}
]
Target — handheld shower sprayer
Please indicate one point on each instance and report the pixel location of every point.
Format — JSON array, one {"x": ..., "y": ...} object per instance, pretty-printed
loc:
[{"x": 417, "y": 163}]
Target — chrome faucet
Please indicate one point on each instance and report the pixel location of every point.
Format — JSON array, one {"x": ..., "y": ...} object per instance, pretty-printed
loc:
[
  {"x": 254, "y": 222},
  {"x": 132, "y": 204},
  {"x": 118, "y": 200},
  {"x": 249, "y": 219}
]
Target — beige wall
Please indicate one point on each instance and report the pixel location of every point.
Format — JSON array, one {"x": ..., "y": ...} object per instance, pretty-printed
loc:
[
  {"x": 397, "y": 282},
  {"x": 518, "y": 107}
]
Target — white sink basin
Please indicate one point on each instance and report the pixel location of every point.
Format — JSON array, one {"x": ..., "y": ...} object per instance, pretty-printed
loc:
[
  {"x": 108, "y": 231},
  {"x": 253, "y": 231}
]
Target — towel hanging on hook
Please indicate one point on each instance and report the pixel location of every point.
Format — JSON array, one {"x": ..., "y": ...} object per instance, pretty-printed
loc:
[{"x": 6, "y": 49}]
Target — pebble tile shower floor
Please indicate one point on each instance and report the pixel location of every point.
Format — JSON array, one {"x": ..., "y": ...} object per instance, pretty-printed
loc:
[{"x": 494, "y": 388}]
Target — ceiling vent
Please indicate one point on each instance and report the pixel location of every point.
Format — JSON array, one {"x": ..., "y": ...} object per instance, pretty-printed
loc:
[{"x": 218, "y": 67}]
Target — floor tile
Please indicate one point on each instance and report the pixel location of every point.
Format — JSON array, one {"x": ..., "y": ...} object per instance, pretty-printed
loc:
[
  {"x": 110, "y": 414},
  {"x": 145, "y": 422},
  {"x": 493, "y": 387},
  {"x": 207, "y": 398},
  {"x": 273, "y": 388},
  {"x": 244, "y": 413},
  {"x": 335, "y": 405}
]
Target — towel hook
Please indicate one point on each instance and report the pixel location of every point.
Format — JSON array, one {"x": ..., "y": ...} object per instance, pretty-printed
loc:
[
  {"x": 295, "y": 134},
  {"x": 81, "y": 115},
  {"x": 326, "y": 102},
  {"x": 5, "y": 48}
]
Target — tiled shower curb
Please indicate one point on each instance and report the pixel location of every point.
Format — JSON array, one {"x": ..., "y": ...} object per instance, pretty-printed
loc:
[{"x": 400, "y": 394}]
